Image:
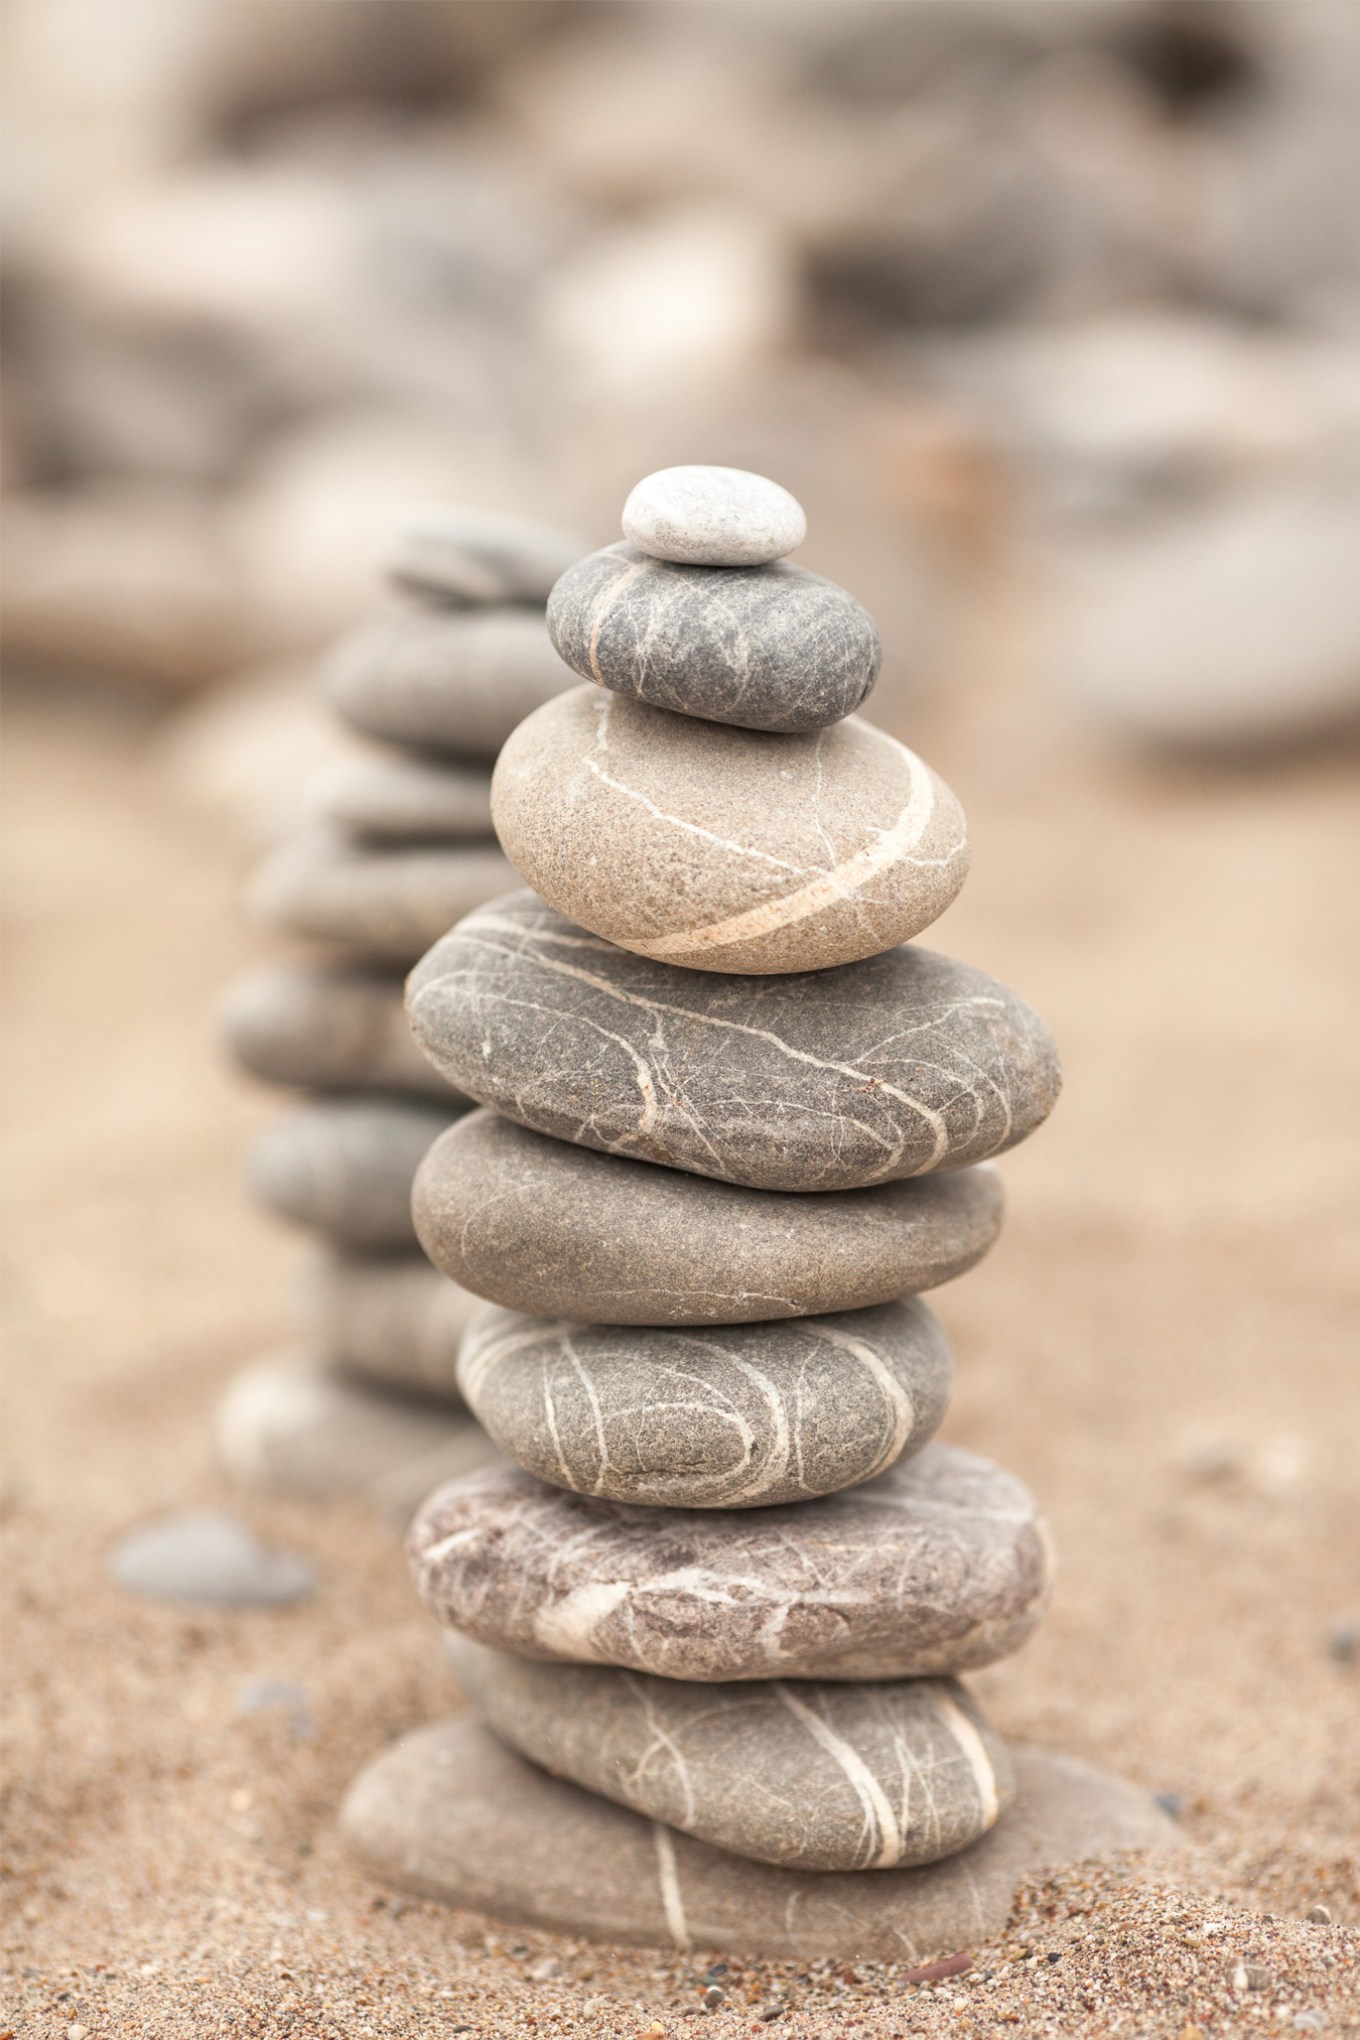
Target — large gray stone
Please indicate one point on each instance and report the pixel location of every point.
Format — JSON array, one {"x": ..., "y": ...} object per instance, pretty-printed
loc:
[
  {"x": 724, "y": 849},
  {"x": 450, "y": 1814},
  {"x": 938, "y": 1566},
  {"x": 762, "y": 648},
  {"x": 559, "y": 1231},
  {"x": 810, "y": 1774},
  {"x": 455, "y": 680},
  {"x": 478, "y": 556},
  {"x": 399, "y": 799},
  {"x": 824, "y": 1080},
  {"x": 319, "y": 1029},
  {"x": 293, "y": 1425},
  {"x": 383, "y": 905},
  {"x": 388, "y": 1316},
  {"x": 713, "y": 517},
  {"x": 346, "y": 1167},
  {"x": 727, "y": 1417}
]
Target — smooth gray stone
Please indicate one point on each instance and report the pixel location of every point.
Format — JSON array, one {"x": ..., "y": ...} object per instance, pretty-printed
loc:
[
  {"x": 809, "y": 1774},
  {"x": 824, "y": 1080},
  {"x": 383, "y": 905},
  {"x": 319, "y": 1029},
  {"x": 455, "y": 680},
  {"x": 450, "y": 1814},
  {"x": 713, "y": 517},
  {"x": 210, "y": 1559},
  {"x": 764, "y": 648},
  {"x": 727, "y": 1417},
  {"x": 399, "y": 799},
  {"x": 938, "y": 1566},
  {"x": 559, "y": 1231},
  {"x": 294, "y": 1425},
  {"x": 346, "y": 1167},
  {"x": 726, "y": 849},
  {"x": 391, "y": 1317},
  {"x": 478, "y": 556}
]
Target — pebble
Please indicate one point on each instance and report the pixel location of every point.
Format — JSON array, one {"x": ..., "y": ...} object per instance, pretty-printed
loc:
[
  {"x": 454, "y": 680},
  {"x": 212, "y": 1559},
  {"x": 713, "y": 517},
  {"x": 389, "y": 1317},
  {"x": 732, "y": 1417},
  {"x": 811, "y": 1775},
  {"x": 397, "y": 800},
  {"x": 477, "y": 556},
  {"x": 327, "y": 1029},
  {"x": 726, "y": 849},
  {"x": 559, "y": 1231},
  {"x": 762, "y": 648},
  {"x": 1319, "y": 1916},
  {"x": 819, "y": 1080},
  {"x": 293, "y": 1425},
  {"x": 451, "y": 1814},
  {"x": 346, "y": 1167},
  {"x": 938, "y": 1566},
  {"x": 382, "y": 905}
]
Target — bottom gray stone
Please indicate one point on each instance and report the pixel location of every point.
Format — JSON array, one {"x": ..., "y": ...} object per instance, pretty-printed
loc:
[
  {"x": 296, "y": 1426},
  {"x": 450, "y": 1814}
]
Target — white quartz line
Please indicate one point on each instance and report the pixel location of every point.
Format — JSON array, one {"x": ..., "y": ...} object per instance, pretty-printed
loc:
[{"x": 668, "y": 1875}]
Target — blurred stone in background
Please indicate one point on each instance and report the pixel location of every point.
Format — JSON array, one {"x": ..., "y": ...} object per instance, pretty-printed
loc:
[{"x": 1061, "y": 284}]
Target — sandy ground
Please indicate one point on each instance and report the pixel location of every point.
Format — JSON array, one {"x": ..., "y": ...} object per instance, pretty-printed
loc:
[{"x": 1163, "y": 1345}]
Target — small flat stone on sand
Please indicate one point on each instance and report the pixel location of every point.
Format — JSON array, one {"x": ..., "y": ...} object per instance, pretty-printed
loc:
[
  {"x": 713, "y": 517},
  {"x": 209, "y": 1559}
]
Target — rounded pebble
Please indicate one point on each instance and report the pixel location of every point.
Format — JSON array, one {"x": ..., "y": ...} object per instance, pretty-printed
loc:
[
  {"x": 391, "y": 1317},
  {"x": 713, "y": 517},
  {"x": 346, "y": 1167},
  {"x": 318, "y": 1029},
  {"x": 453, "y": 680},
  {"x": 478, "y": 556},
  {"x": 398, "y": 800},
  {"x": 382, "y": 905}
]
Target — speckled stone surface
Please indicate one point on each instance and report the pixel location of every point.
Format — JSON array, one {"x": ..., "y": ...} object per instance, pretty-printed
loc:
[
  {"x": 399, "y": 800},
  {"x": 319, "y": 1029},
  {"x": 478, "y": 556},
  {"x": 764, "y": 648},
  {"x": 294, "y": 1425},
  {"x": 384, "y": 905},
  {"x": 346, "y": 1167},
  {"x": 389, "y": 1316},
  {"x": 723, "y": 849},
  {"x": 713, "y": 517},
  {"x": 940, "y": 1565},
  {"x": 555, "y": 1230},
  {"x": 824, "y": 1080},
  {"x": 453, "y": 680},
  {"x": 810, "y": 1774},
  {"x": 727, "y": 1417},
  {"x": 450, "y": 1814}
]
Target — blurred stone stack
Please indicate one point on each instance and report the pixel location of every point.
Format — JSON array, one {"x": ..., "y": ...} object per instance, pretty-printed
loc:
[
  {"x": 738, "y": 1125},
  {"x": 396, "y": 844}
]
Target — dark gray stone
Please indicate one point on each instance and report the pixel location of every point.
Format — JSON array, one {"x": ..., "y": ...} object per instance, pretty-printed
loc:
[
  {"x": 319, "y": 1029},
  {"x": 209, "y": 1559},
  {"x": 726, "y": 849},
  {"x": 727, "y": 1417},
  {"x": 765, "y": 648},
  {"x": 938, "y": 1566},
  {"x": 398, "y": 800},
  {"x": 391, "y": 1317},
  {"x": 810, "y": 1774},
  {"x": 559, "y": 1231},
  {"x": 453, "y": 680},
  {"x": 478, "y": 556},
  {"x": 823, "y": 1080},
  {"x": 713, "y": 517},
  {"x": 450, "y": 1814},
  {"x": 382, "y": 905},
  {"x": 346, "y": 1167}
]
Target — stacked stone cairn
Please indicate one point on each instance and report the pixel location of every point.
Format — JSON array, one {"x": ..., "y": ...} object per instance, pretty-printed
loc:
[
  {"x": 722, "y": 1599},
  {"x": 397, "y": 843}
]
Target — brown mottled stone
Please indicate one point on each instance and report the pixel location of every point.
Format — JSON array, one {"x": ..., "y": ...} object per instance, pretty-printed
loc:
[
  {"x": 346, "y": 1167},
  {"x": 819, "y": 1080},
  {"x": 320, "y": 1029},
  {"x": 719, "y": 1417},
  {"x": 810, "y": 1774},
  {"x": 384, "y": 905},
  {"x": 725, "y": 849},
  {"x": 450, "y": 1814},
  {"x": 938, "y": 1566},
  {"x": 560, "y": 1231},
  {"x": 450, "y": 680}
]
